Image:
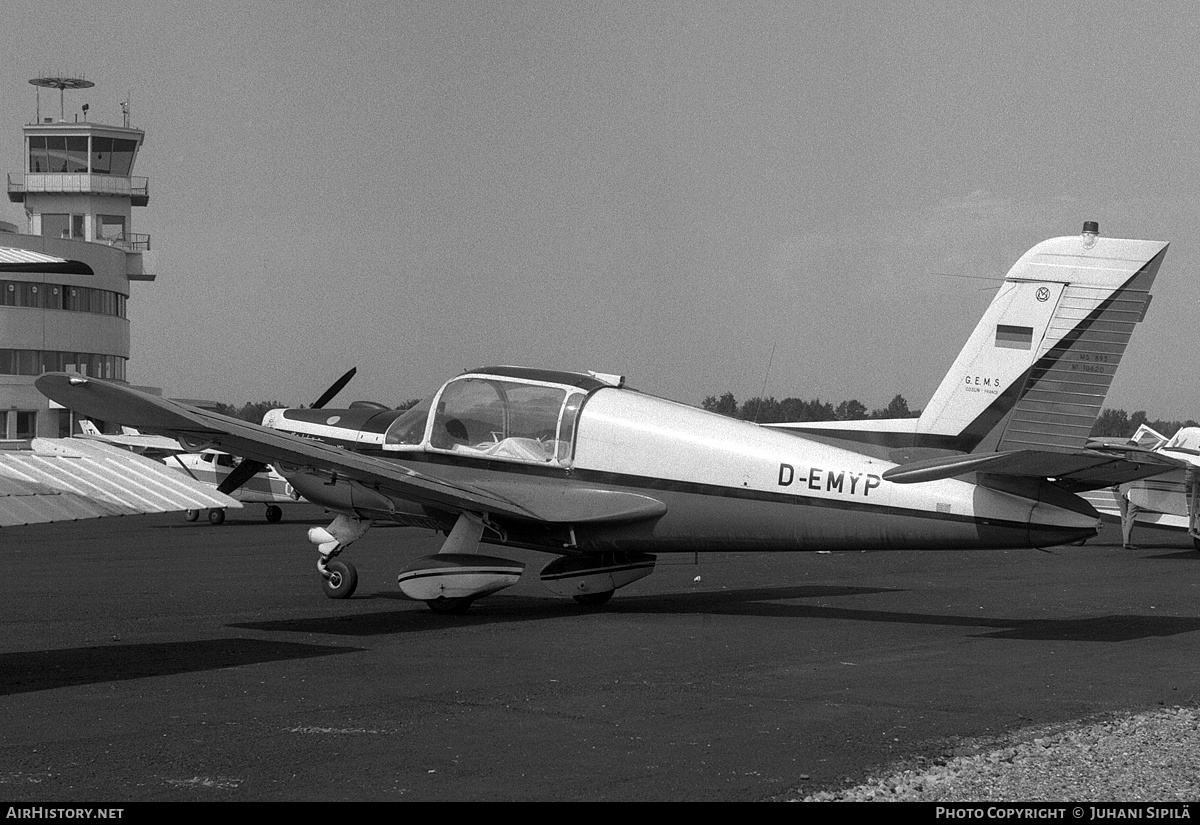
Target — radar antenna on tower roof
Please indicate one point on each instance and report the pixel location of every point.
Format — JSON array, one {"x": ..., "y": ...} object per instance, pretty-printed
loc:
[{"x": 62, "y": 84}]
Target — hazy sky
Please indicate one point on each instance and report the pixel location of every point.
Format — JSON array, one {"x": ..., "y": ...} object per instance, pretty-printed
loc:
[{"x": 664, "y": 190}]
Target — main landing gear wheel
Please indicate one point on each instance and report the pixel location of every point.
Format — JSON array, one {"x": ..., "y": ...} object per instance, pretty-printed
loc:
[
  {"x": 342, "y": 580},
  {"x": 191, "y": 515},
  {"x": 274, "y": 514},
  {"x": 450, "y": 607},
  {"x": 216, "y": 516},
  {"x": 1196, "y": 543},
  {"x": 594, "y": 599}
]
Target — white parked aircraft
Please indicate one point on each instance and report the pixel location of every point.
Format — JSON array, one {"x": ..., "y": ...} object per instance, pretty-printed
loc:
[
  {"x": 212, "y": 467},
  {"x": 601, "y": 476},
  {"x": 1171, "y": 499},
  {"x": 130, "y": 439}
]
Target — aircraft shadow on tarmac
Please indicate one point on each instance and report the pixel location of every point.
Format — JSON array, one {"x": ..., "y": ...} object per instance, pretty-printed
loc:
[
  {"x": 23, "y": 672},
  {"x": 766, "y": 602},
  {"x": 47, "y": 669}
]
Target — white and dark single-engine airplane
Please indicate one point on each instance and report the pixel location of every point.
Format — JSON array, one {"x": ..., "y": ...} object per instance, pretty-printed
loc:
[
  {"x": 1171, "y": 499},
  {"x": 601, "y": 476},
  {"x": 212, "y": 467}
]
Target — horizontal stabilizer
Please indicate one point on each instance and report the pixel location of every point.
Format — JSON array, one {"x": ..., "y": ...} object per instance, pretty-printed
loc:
[{"x": 1077, "y": 470}]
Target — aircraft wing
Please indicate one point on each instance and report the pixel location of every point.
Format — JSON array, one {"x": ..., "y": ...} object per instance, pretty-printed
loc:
[
  {"x": 61, "y": 479},
  {"x": 197, "y": 429},
  {"x": 1102, "y": 465},
  {"x": 158, "y": 443}
]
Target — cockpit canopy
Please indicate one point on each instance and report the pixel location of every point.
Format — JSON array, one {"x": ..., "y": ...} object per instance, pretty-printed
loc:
[{"x": 495, "y": 416}]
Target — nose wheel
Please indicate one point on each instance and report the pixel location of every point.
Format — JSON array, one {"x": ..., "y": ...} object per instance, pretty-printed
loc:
[{"x": 340, "y": 579}]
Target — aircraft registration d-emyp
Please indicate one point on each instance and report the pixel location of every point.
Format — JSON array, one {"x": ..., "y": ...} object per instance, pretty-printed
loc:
[{"x": 602, "y": 477}]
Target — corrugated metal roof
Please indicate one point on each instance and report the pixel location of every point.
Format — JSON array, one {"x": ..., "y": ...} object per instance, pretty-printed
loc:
[
  {"x": 11, "y": 255},
  {"x": 67, "y": 479}
]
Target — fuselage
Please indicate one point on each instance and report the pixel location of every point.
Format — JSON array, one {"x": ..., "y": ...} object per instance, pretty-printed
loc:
[{"x": 727, "y": 485}]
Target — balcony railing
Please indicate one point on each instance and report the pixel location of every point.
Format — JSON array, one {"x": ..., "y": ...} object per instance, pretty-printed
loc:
[
  {"x": 129, "y": 241},
  {"x": 137, "y": 189}
]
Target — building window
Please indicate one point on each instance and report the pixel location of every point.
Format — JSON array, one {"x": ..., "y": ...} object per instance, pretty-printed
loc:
[
  {"x": 56, "y": 153},
  {"x": 26, "y": 424},
  {"x": 56, "y": 225},
  {"x": 110, "y": 227},
  {"x": 37, "y": 155},
  {"x": 101, "y": 155},
  {"x": 61, "y": 296},
  {"x": 122, "y": 156},
  {"x": 36, "y": 362},
  {"x": 77, "y": 154}
]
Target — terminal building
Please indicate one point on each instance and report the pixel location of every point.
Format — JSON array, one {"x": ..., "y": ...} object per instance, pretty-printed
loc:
[{"x": 65, "y": 275}]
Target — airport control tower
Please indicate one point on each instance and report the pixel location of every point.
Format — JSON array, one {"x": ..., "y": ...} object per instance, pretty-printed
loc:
[{"x": 64, "y": 279}]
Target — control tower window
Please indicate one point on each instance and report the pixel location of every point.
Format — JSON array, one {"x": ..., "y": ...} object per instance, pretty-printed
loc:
[
  {"x": 63, "y": 154},
  {"x": 77, "y": 154},
  {"x": 38, "y": 162},
  {"x": 102, "y": 150},
  {"x": 122, "y": 156}
]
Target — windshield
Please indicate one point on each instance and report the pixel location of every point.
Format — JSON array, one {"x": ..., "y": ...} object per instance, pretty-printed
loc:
[
  {"x": 494, "y": 418},
  {"x": 505, "y": 419},
  {"x": 410, "y": 427}
]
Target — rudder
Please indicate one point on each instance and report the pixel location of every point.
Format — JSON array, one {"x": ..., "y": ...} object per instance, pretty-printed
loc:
[{"x": 1036, "y": 370}]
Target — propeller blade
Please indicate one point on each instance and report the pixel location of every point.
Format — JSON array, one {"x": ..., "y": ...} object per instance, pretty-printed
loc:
[
  {"x": 334, "y": 389},
  {"x": 240, "y": 475},
  {"x": 248, "y": 469}
]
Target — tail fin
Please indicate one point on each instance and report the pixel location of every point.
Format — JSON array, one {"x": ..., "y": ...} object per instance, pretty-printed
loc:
[
  {"x": 87, "y": 427},
  {"x": 1035, "y": 371}
]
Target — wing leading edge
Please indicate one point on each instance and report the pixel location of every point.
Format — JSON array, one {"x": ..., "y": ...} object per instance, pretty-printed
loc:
[{"x": 196, "y": 428}]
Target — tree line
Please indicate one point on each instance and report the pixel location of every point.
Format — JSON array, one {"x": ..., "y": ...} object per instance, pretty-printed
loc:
[
  {"x": 1120, "y": 424},
  {"x": 1109, "y": 424},
  {"x": 770, "y": 411}
]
